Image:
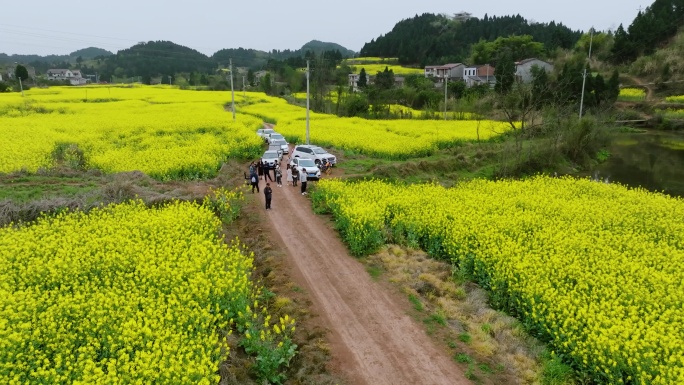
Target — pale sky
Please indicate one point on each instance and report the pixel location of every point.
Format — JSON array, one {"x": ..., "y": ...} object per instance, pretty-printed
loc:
[{"x": 53, "y": 27}]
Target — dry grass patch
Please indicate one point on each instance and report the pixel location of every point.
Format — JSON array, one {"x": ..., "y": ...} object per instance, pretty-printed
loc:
[{"x": 479, "y": 336}]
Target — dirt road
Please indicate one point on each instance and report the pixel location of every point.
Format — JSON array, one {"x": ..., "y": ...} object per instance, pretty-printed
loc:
[{"x": 373, "y": 340}]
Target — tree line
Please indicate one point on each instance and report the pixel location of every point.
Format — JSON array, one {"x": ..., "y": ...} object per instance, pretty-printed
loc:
[{"x": 436, "y": 39}]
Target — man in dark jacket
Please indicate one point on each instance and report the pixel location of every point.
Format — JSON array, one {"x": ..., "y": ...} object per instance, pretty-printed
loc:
[{"x": 269, "y": 194}]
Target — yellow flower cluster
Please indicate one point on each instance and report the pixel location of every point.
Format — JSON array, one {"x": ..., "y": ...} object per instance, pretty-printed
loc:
[
  {"x": 595, "y": 269},
  {"x": 631, "y": 94},
  {"x": 122, "y": 295},
  {"x": 165, "y": 132},
  {"x": 671, "y": 113},
  {"x": 373, "y": 69},
  {"x": 394, "y": 139},
  {"x": 675, "y": 99},
  {"x": 369, "y": 59}
]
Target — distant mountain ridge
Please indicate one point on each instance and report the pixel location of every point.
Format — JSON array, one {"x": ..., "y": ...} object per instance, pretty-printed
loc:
[
  {"x": 85, "y": 54},
  {"x": 242, "y": 57}
]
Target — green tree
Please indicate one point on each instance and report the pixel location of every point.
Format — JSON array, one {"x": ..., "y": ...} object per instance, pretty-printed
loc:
[
  {"x": 363, "y": 79},
  {"x": 541, "y": 92},
  {"x": 21, "y": 72},
  {"x": 250, "y": 77},
  {"x": 505, "y": 74},
  {"x": 266, "y": 85},
  {"x": 384, "y": 80}
]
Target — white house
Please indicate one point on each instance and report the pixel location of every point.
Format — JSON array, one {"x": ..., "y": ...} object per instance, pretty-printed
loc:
[
  {"x": 73, "y": 76},
  {"x": 479, "y": 74},
  {"x": 523, "y": 68}
]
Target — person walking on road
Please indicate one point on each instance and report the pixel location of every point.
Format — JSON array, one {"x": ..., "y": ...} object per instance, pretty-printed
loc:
[
  {"x": 260, "y": 169},
  {"x": 268, "y": 192},
  {"x": 279, "y": 176},
  {"x": 267, "y": 171},
  {"x": 289, "y": 175},
  {"x": 295, "y": 176},
  {"x": 254, "y": 181},
  {"x": 302, "y": 176}
]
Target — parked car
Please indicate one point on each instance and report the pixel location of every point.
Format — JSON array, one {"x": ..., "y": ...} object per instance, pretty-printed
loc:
[
  {"x": 264, "y": 133},
  {"x": 275, "y": 136},
  {"x": 275, "y": 147},
  {"x": 315, "y": 153},
  {"x": 321, "y": 152},
  {"x": 312, "y": 171},
  {"x": 271, "y": 157},
  {"x": 284, "y": 146}
]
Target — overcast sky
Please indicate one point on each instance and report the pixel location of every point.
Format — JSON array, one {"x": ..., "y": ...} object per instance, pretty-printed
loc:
[{"x": 53, "y": 27}]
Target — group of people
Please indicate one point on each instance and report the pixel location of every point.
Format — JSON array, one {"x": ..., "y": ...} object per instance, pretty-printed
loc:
[{"x": 260, "y": 169}]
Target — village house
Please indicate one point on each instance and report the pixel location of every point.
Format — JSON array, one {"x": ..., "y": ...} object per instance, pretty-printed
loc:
[
  {"x": 523, "y": 68},
  {"x": 450, "y": 71},
  {"x": 74, "y": 77},
  {"x": 430, "y": 71},
  {"x": 354, "y": 81},
  {"x": 479, "y": 74}
]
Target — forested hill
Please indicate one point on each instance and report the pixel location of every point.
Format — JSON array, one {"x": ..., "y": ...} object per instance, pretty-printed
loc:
[
  {"x": 429, "y": 38},
  {"x": 649, "y": 30},
  {"x": 257, "y": 59},
  {"x": 156, "y": 58}
]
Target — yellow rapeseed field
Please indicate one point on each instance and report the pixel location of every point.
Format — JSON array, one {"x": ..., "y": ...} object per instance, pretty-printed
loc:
[
  {"x": 595, "y": 269},
  {"x": 632, "y": 94},
  {"x": 164, "y": 132},
  {"x": 675, "y": 99},
  {"x": 393, "y": 139},
  {"x": 373, "y": 69},
  {"x": 128, "y": 295}
]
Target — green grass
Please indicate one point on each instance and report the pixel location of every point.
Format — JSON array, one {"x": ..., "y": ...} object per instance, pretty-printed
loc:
[
  {"x": 29, "y": 188},
  {"x": 463, "y": 358},
  {"x": 438, "y": 318},
  {"x": 416, "y": 302},
  {"x": 465, "y": 338},
  {"x": 554, "y": 371},
  {"x": 374, "y": 271}
]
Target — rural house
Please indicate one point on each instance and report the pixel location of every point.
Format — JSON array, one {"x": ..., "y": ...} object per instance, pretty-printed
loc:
[
  {"x": 450, "y": 71},
  {"x": 523, "y": 68},
  {"x": 479, "y": 74},
  {"x": 431, "y": 71},
  {"x": 73, "y": 76},
  {"x": 354, "y": 81}
]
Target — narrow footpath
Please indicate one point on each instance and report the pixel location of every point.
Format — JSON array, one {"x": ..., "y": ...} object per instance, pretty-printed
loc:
[{"x": 373, "y": 340}]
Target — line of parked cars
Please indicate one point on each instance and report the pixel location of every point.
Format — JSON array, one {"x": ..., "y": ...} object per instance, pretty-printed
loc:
[{"x": 304, "y": 156}]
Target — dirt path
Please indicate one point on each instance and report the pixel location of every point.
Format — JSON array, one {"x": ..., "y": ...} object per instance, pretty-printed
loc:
[
  {"x": 647, "y": 86},
  {"x": 373, "y": 340}
]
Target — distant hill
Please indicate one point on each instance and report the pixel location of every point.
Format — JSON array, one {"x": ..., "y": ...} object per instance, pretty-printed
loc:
[
  {"x": 430, "y": 38},
  {"x": 90, "y": 53},
  {"x": 85, "y": 53},
  {"x": 320, "y": 46},
  {"x": 156, "y": 58},
  {"x": 241, "y": 57}
]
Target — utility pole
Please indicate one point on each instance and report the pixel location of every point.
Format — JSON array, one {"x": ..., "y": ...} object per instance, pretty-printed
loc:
[
  {"x": 307, "y": 102},
  {"x": 232, "y": 91},
  {"x": 446, "y": 82},
  {"x": 244, "y": 93},
  {"x": 584, "y": 76}
]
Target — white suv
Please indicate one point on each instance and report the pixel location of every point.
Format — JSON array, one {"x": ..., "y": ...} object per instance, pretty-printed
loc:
[
  {"x": 312, "y": 171},
  {"x": 314, "y": 153}
]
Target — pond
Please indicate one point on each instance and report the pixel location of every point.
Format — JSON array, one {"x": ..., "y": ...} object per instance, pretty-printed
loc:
[{"x": 653, "y": 160}]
